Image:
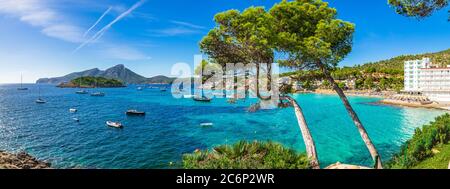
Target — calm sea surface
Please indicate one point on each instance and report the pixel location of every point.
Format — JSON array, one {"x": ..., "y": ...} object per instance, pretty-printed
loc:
[{"x": 172, "y": 126}]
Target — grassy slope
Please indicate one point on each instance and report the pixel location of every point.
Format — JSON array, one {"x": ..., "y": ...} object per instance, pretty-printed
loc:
[{"x": 438, "y": 161}]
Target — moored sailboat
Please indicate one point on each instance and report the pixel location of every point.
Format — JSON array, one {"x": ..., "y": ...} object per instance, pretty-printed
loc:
[
  {"x": 40, "y": 100},
  {"x": 21, "y": 88}
]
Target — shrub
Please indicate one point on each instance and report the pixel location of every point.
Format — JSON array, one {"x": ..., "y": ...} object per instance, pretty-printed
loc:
[
  {"x": 420, "y": 146},
  {"x": 245, "y": 155}
]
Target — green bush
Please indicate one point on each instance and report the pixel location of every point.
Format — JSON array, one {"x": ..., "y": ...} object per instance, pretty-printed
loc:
[
  {"x": 245, "y": 155},
  {"x": 96, "y": 82},
  {"x": 420, "y": 146}
]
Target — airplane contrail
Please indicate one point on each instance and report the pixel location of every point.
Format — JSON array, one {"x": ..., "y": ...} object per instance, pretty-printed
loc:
[
  {"x": 100, "y": 33},
  {"x": 98, "y": 21}
]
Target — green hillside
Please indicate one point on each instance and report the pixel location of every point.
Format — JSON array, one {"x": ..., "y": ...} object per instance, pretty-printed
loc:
[
  {"x": 92, "y": 82},
  {"x": 440, "y": 58},
  {"x": 381, "y": 75}
]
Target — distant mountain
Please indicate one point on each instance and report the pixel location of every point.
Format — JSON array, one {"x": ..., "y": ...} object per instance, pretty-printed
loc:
[{"x": 119, "y": 72}]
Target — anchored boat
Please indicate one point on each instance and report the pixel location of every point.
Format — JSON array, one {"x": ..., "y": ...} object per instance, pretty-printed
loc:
[
  {"x": 135, "y": 112},
  {"x": 202, "y": 99},
  {"x": 114, "y": 124},
  {"x": 82, "y": 92},
  {"x": 98, "y": 94},
  {"x": 41, "y": 101},
  {"x": 21, "y": 88},
  {"x": 206, "y": 124}
]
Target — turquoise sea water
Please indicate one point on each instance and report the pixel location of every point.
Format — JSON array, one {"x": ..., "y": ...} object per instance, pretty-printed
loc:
[{"x": 172, "y": 126}]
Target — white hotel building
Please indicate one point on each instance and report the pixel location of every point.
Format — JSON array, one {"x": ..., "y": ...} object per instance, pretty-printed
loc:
[{"x": 421, "y": 76}]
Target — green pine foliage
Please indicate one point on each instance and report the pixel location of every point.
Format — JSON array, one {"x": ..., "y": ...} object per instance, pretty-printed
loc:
[{"x": 247, "y": 155}]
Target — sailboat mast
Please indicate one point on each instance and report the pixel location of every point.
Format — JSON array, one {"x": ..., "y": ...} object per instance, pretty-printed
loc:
[{"x": 21, "y": 81}]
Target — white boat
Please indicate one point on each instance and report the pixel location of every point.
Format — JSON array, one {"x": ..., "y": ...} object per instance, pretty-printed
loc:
[
  {"x": 97, "y": 94},
  {"x": 76, "y": 119},
  {"x": 206, "y": 124},
  {"x": 188, "y": 96},
  {"x": 72, "y": 110},
  {"x": 114, "y": 124},
  {"x": 139, "y": 88},
  {"x": 82, "y": 92},
  {"x": 41, "y": 101}
]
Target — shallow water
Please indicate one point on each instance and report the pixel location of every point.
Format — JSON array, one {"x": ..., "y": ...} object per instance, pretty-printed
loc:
[{"x": 172, "y": 126}]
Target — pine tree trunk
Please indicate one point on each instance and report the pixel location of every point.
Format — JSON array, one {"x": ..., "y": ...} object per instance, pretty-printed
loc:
[
  {"x": 362, "y": 131},
  {"x": 307, "y": 138}
]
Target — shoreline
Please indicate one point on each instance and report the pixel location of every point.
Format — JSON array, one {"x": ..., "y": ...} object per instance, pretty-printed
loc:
[
  {"x": 384, "y": 95},
  {"x": 21, "y": 160}
]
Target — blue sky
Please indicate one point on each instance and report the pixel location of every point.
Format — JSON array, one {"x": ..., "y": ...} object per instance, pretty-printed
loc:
[{"x": 47, "y": 38}]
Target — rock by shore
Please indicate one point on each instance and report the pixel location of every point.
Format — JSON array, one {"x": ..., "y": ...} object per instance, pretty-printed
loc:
[{"x": 21, "y": 160}]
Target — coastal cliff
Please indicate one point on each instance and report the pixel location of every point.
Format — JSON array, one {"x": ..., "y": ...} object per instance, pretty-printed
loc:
[{"x": 21, "y": 160}]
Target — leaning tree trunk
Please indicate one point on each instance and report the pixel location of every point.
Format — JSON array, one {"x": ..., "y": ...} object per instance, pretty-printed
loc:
[
  {"x": 362, "y": 131},
  {"x": 307, "y": 138}
]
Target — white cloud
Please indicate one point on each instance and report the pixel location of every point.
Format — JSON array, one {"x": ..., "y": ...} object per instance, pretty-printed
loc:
[
  {"x": 37, "y": 14},
  {"x": 65, "y": 32}
]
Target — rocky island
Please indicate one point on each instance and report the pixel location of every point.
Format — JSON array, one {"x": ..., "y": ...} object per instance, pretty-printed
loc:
[
  {"x": 21, "y": 160},
  {"x": 92, "y": 82}
]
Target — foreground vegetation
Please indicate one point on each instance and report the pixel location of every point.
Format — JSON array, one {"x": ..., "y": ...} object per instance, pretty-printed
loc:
[
  {"x": 440, "y": 160},
  {"x": 428, "y": 148},
  {"x": 92, "y": 82},
  {"x": 246, "y": 155}
]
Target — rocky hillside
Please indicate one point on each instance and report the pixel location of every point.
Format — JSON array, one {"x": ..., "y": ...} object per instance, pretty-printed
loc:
[
  {"x": 119, "y": 72},
  {"x": 20, "y": 161}
]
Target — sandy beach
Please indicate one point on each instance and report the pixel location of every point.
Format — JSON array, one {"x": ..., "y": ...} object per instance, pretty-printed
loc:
[{"x": 385, "y": 95}]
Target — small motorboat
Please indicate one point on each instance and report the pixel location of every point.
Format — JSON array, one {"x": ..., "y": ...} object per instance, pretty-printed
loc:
[
  {"x": 135, "y": 112},
  {"x": 202, "y": 99},
  {"x": 114, "y": 124},
  {"x": 98, "y": 94},
  {"x": 72, "y": 110},
  {"x": 41, "y": 101},
  {"x": 82, "y": 92},
  {"x": 139, "y": 88},
  {"x": 206, "y": 124},
  {"x": 188, "y": 96},
  {"x": 76, "y": 119}
]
